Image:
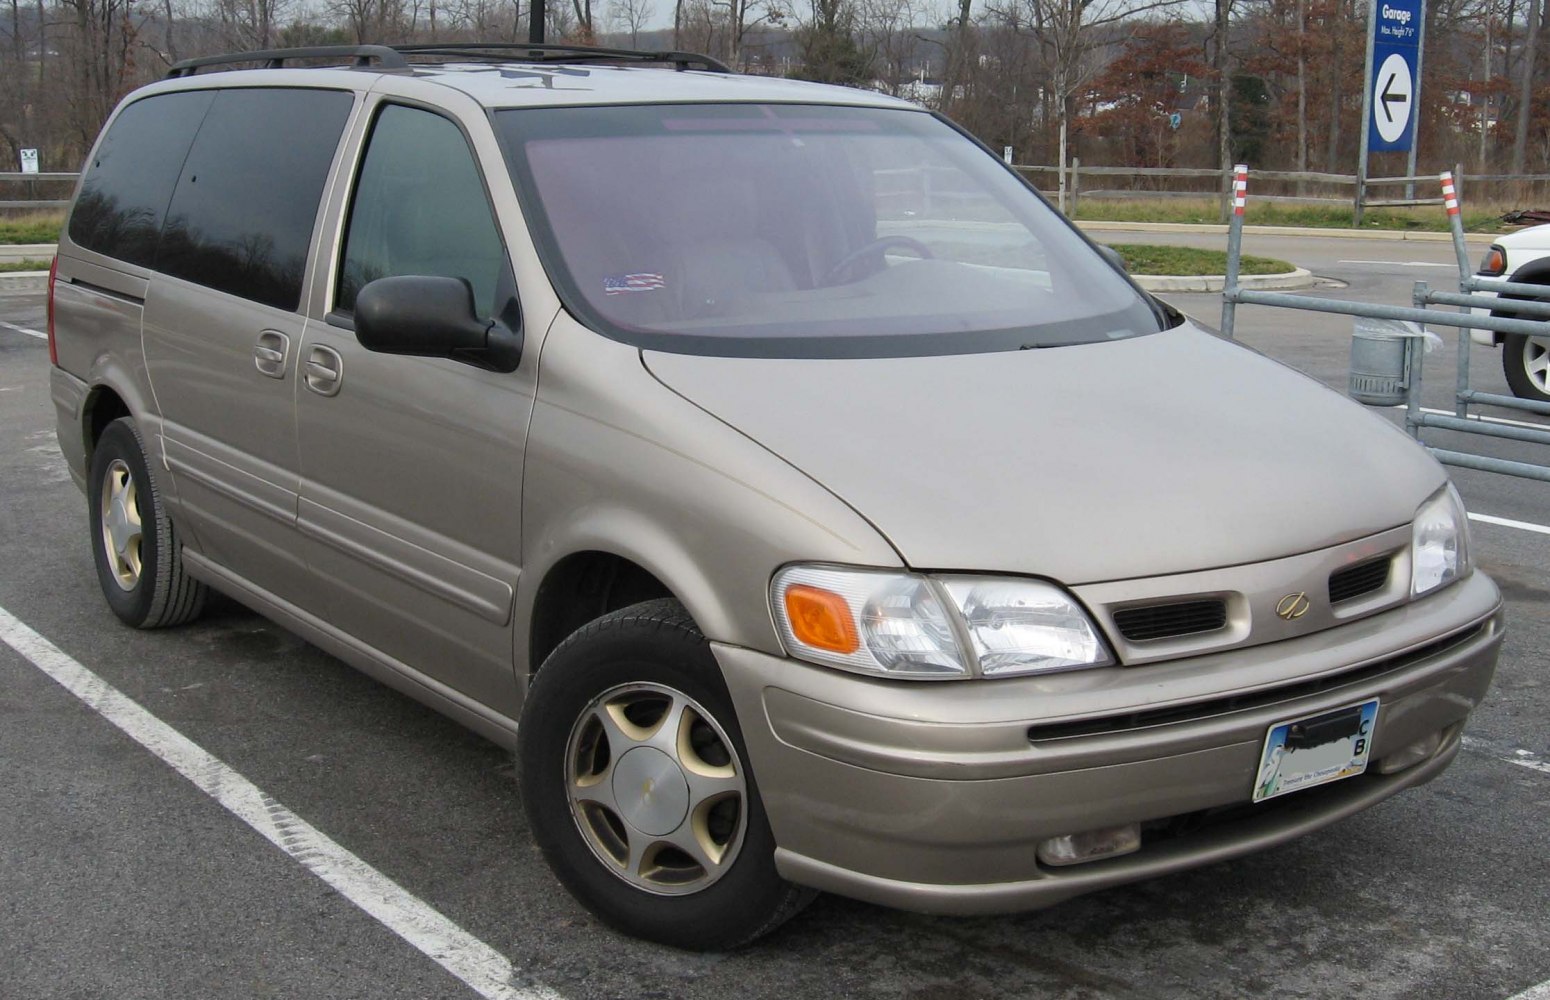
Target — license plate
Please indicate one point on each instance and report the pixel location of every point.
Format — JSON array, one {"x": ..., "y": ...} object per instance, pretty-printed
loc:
[{"x": 1303, "y": 753}]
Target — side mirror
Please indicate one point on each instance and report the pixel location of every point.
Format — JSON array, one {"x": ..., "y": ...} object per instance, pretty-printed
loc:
[
  {"x": 1114, "y": 258},
  {"x": 432, "y": 317}
]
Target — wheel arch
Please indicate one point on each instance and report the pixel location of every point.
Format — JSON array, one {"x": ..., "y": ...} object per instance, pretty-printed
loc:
[
  {"x": 101, "y": 407},
  {"x": 606, "y": 558},
  {"x": 581, "y": 588}
]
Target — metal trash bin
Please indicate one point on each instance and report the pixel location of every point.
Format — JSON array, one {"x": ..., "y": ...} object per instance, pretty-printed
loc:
[{"x": 1378, "y": 370}]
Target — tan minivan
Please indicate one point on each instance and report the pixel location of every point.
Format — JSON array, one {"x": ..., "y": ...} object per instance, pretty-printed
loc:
[{"x": 808, "y": 504}]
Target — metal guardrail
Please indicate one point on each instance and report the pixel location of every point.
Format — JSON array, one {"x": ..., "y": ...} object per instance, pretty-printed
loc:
[
  {"x": 31, "y": 180},
  {"x": 1423, "y": 298},
  {"x": 1358, "y": 200}
]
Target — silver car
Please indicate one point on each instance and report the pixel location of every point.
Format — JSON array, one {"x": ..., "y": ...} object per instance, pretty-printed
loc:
[{"x": 809, "y": 504}]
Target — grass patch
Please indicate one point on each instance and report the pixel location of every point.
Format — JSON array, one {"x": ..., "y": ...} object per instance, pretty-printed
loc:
[
  {"x": 1145, "y": 258},
  {"x": 1486, "y": 219},
  {"x": 39, "y": 227},
  {"x": 7, "y": 266}
]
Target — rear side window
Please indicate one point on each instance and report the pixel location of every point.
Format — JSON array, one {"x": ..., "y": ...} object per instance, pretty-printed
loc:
[
  {"x": 129, "y": 181},
  {"x": 241, "y": 217}
]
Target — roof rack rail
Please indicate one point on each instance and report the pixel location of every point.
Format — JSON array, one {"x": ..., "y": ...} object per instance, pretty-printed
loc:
[
  {"x": 385, "y": 56},
  {"x": 545, "y": 52}
]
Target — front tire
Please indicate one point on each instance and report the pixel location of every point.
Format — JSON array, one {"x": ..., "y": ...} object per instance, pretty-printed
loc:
[
  {"x": 635, "y": 780},
  {"x": 134, "y": 543},
  {"x": 1526, "y": 363}
]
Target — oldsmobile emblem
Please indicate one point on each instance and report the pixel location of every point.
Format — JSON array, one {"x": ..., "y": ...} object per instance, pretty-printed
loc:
[{"x": 1293, "y": 606}]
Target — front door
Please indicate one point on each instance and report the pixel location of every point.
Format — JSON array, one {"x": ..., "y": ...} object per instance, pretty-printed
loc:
[{"x": 411, "y": 466}]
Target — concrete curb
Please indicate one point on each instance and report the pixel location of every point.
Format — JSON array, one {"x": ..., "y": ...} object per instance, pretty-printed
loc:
[
  {"x": 20, "y": 282},
  {"x": 1479, "y": 239},
  {"x": 1300, "y": 278}
]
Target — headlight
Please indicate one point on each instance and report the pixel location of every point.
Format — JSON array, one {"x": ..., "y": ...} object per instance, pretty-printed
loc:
[
  {"x": 1439, "y": 542},
  {"x": 906, "y": 625},
  {"x": 1494, "y": 262}
]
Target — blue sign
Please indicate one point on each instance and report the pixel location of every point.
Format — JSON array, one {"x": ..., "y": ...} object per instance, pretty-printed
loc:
[{"x": 1396, "y": 36}]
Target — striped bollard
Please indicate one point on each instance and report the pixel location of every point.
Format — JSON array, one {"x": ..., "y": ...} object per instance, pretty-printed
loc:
[
  {"x": 1240, "y": 192},
  {"x": 1450, "y": 202}
]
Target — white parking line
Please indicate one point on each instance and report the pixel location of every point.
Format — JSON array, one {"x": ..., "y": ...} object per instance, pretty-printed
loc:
[
  {"x": 1523, "y": 758},
  {"x": 483, "y": 968},
  {"x": 1540, "y": 992},
  {"x": 23, "y": 329},
  {"x": 1401, "y": 263},
  {"x": 1507, "y": 522}
]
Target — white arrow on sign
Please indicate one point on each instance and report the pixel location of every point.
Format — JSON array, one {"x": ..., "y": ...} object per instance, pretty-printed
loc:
[{"x": 1394, "y": 92}]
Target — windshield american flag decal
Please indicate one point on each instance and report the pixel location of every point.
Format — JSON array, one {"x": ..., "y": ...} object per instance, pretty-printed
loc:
[{"x": 619, "y": 284}]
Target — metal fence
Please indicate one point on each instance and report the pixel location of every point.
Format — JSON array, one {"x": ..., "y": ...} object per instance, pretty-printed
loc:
[{"x": 1406, "y": 372}]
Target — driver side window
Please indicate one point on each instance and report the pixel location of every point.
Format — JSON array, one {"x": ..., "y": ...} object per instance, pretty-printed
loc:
[{"x": 419, "y": 207}]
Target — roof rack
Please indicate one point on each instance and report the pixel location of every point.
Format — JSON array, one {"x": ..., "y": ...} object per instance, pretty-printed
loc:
[
  {"x": 392, "y": 57},
  {"x": 386, "y": 57},
  {"x": 545, "y": 52}
]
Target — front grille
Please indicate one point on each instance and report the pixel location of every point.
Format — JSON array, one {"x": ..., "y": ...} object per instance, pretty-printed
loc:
[
  {"x": 1194, "y": 711},
  {"x": 1165, "y": 621},
  {"x": 1355, "y": 581}
]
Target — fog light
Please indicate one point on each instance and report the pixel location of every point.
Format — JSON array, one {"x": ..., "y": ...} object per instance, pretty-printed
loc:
[
  {"x": 1411, "y": 755},
  {"x": 1093, "y": 845}
]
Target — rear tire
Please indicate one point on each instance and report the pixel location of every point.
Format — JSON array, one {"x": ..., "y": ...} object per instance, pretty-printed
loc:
[
  {"x": 134, "y": 543},
  {"x": 635, "y": 780},
  {"x": 1526, "y": 363}
]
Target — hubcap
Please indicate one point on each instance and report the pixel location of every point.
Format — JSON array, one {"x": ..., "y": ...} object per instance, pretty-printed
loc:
[
  {"x": 1536, "y": 363},
  {"x": 650, "y": 789},
  {"x": 121, "y": 528},
  {"x": 656, "y": 788}
]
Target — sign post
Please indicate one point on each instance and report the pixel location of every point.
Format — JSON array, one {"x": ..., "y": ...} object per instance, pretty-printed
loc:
[
  {"x": 1394, "y": 31},
  {"x": 29, "y": 161}
]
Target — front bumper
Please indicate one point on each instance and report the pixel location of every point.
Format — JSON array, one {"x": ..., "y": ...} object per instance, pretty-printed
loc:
[{"x": 935, "y": 796}]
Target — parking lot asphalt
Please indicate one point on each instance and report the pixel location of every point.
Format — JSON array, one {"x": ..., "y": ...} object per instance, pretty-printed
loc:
[{"x": 120, "y": 878}]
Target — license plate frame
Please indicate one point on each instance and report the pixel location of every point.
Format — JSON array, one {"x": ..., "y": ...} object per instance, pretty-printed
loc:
[{"x": 1332, "y": 745}]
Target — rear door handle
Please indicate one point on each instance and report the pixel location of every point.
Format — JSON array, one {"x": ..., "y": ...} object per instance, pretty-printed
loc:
[
  {"x": 323, "y": 372},
  {"x": 270, "y": 352}
]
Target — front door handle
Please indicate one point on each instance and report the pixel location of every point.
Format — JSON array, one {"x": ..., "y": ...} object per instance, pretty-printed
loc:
[
  {"x": 323, "y": 372},
  {"x": 270, "y": 352}
]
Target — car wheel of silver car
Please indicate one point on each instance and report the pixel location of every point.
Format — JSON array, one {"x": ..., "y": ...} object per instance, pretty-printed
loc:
[
  {"x": 637, "y": 787},
  {"x": 1526, "y": 363},
  {"x": 135, "y": 545}
]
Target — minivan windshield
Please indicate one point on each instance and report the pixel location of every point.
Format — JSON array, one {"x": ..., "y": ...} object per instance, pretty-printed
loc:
[{"x": 803, "y": 230}]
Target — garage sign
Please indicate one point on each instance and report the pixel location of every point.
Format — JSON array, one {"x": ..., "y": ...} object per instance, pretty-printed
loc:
[{"x": 1393, "y": 78}]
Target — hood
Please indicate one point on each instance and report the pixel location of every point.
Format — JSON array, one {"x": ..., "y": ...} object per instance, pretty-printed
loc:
[
  {"x": 1161, "y": 454},
  {"x": 1532, "y": 238}
]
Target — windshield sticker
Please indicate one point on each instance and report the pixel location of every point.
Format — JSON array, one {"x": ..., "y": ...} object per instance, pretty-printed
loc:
[{"x": 618, "y": 284}]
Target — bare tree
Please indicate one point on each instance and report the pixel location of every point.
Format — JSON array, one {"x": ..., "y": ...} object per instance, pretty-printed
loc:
[
  {"x": 1070, "y": 34},
  {"x": 100, "y": 46},
  {"x": 741, "y": 17},
  {"x": 886, "y": 29},
  {"x": 249, "y": 24},
  {"x": 631, "y": 16},
  {"x": 1526, "y": 88},
  {"x": 583, "y": 32}
]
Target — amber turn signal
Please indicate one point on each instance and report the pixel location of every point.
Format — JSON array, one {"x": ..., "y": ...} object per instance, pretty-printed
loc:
[{"x": 821, "y": 619}]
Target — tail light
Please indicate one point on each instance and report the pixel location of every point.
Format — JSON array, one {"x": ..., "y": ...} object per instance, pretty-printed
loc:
[{"x": 53, "y": 349}]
